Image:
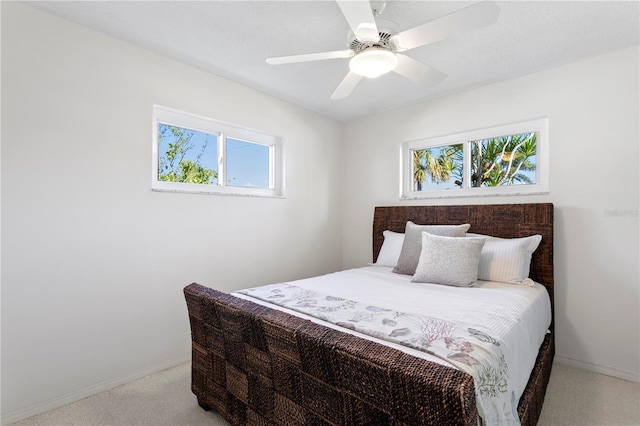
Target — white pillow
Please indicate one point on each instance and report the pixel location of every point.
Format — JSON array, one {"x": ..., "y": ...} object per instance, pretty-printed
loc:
[
  {"x": 390, "y": 250},
  {"x": 507, "y": 260},
  {"x": 412, "y": 244},
  {"x": 448, "y": 260}
]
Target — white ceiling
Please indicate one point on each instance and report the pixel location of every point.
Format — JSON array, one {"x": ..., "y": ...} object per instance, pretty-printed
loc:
[{"x": 233, "y": 38}]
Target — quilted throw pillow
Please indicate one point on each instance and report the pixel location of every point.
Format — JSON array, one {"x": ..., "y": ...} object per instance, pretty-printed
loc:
[
  {"x": 412, "y": 244},
  {"x": 448, "y": 260}
]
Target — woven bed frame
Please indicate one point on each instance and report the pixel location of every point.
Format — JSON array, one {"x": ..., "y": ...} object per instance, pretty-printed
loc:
[{"x": 259, "y": 366}]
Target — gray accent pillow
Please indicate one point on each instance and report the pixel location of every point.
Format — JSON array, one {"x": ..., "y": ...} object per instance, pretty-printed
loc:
[
  {"x": 412, "y": 244},
  {"x": 448, "y": 260}
]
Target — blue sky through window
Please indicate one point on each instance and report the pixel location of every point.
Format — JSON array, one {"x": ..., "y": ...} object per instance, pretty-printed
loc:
[{"x": 247, "y": 163}]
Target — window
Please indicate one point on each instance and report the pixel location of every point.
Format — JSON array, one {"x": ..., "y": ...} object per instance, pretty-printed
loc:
[
  {"x": 503, "y": 160},
  {"x": 198, "y": 154}
]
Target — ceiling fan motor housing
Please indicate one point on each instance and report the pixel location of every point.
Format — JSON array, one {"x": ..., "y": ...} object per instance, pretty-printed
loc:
[
  {"x": 388, "y": 32},
  {"x": 384, "y": 43}
]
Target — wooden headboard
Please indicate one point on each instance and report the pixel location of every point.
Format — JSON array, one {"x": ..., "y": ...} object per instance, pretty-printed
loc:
[{"x": 499, "y": 220}]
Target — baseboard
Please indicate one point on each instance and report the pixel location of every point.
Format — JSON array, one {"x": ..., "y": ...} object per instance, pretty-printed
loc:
[
  {"x": 596, "y": 368},
  {"x": 52, "y": 404}
]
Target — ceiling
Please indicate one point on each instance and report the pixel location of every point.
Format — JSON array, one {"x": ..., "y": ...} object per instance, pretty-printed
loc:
[{"x": 232, "y": 39}]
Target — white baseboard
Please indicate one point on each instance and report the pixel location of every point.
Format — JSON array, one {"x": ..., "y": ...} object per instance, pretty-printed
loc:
[
  {"x": 52, "y": 404},
  {"x": 596, "y": 368}
]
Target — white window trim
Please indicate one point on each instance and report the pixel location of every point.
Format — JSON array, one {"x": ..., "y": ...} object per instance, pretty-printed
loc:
[
  {"x": 541, "y": 126},
  {"x": 223, "y": 130}
]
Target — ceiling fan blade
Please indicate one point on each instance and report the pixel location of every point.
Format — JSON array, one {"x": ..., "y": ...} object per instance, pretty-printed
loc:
[
  {"x": 418, "y": 72},
  {"x": 479, "y": 15},
  {"x": 311, "y": 57},
  {"x": 360, "y": 18},
  {"x": 346, "y": 86}
]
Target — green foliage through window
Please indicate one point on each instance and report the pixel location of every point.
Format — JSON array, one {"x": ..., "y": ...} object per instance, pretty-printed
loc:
[
  {"x": 509, "y": 159},
  {"x": 437, "y": 166},
  {"x": 198, "y": 154},
  {"x": 181, "y": 153},
  {"x": 500, "y": 161}
]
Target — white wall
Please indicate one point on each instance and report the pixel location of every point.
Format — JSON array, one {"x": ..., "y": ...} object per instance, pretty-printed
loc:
[
  {"x": 93, "y": 261},
  {"x": 593, "y": 113}
]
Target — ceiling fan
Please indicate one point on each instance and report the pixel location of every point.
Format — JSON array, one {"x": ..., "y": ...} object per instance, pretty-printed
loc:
[{"x": 375, "y": 50}]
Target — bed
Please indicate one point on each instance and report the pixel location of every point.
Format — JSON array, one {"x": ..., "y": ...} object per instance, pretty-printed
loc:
[{"x": 257, "y": 364}]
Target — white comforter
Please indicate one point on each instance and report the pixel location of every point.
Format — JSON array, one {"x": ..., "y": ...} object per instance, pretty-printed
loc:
[{"x": 516, "y": 316}]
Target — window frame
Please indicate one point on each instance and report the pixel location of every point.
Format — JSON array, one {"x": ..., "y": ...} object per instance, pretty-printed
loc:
[
  {"x": 540, "y": 126},
  {"x": 222, "y": 130}
]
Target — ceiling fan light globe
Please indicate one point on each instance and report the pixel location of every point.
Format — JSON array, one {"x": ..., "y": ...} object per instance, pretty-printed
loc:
[{"x": 373, "y": 62}]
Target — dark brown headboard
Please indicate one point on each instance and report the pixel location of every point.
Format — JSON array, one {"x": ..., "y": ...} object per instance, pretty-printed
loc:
[{"x": 499, "y": 220}]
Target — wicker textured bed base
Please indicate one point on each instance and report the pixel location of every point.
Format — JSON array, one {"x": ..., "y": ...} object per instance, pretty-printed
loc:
[{"x": 259, "y": 366}]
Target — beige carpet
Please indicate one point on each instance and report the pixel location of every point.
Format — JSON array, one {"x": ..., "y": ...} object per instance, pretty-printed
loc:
[{"x": 574, "y": 397}]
